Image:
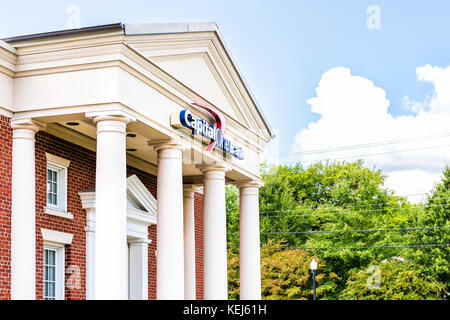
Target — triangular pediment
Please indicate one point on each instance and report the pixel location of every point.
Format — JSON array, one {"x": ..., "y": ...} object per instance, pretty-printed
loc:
[
  {"x": 198, "y": 72},
  {"x": 201, "y": 62},
  {"x": 138, "y": 196}
]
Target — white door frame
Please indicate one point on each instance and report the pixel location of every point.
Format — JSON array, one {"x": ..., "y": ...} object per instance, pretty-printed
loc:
[{"x": 141, "y": 213}]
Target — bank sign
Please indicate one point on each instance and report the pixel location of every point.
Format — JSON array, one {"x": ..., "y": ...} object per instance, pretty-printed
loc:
[{"x": 214, "y": 133}]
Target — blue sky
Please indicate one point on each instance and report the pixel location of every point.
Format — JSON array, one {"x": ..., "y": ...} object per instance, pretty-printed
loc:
[{"x": 283, "y": 48}]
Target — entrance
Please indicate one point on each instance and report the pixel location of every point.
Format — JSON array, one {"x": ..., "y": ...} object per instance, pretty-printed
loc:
[{"x": 141, "y": 213}]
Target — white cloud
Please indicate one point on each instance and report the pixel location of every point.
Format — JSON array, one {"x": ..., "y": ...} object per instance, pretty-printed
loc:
[{"x": 354, "y": 112}]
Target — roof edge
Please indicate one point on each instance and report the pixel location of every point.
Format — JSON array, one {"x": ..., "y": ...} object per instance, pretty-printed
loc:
[
  {"x": 106, "y": 27},
  {"x": 141, "y": 29},
  {"x": 7, "y": 47},
  {"x": 164, "y": 28},
  {"x": 246, "y": 85}
]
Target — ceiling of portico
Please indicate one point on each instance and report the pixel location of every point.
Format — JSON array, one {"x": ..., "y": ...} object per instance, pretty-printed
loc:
[{"x": 139, "y": 154}]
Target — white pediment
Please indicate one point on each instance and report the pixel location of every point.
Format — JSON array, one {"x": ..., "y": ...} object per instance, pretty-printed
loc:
[
  {"x": 200, "y": 61},
  {"x": 141, "y": 208},
  {"x": 198, "y": 72},
  {"x": 138, "y": 196}
]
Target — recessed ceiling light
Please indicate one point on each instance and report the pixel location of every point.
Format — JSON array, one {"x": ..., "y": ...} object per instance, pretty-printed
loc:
[
  {"x": 131, "y": 149},
  {"x": 72, "y": 124},
  {"x": 131, "y": 135}
]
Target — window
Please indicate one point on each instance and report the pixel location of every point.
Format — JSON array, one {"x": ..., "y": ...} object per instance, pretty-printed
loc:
[
  {"x": 53, "y": 263},
  {"x": 52, "y": 187},
  {"x": 56, "y": 184},
  {"x": 53, "y": 278},
  {"x": 56, "y": 187},
  {"x": 49, "y": 274}
]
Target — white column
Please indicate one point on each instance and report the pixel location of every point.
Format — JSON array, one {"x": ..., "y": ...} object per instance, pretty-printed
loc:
[
  {"x": 170, "y": 255},
  {"x": 23, "y": 211},
  {"x": 189, "y": 243},
  {"x": 139, "y": 269},
  {"x": 249, "y": 241},
  {"x": 90, "y": 266},
  {"x": 215, "y": 281},
  {"x": 111, "y": 259},
  {"x": 90, "y": 250}
]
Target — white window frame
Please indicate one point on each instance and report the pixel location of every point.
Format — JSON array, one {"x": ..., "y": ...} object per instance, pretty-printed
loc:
[
  {"x": 59, "y": 165},
  {"x": 59, "y": 269},
  {"x": 55, "y": 240}
]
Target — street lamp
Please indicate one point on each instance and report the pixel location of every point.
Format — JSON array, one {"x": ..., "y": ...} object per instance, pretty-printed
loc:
[{"x": 313, "y": 266}]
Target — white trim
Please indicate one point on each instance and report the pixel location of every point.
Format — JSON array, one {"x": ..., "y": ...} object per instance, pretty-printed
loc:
[
  {"x": 8, "y": 47},
  {"x": 59, "y": 268},
  {"x": 56, "y": 237},
  {"x": 138, "y": 222},
  {"x": 141, "y": 193},
  {"x": 58, "y": 213},
  {"x": 57, "y": 160},
  {"x": 87, "y": 199},
  {"x": 61, "y": 186}
]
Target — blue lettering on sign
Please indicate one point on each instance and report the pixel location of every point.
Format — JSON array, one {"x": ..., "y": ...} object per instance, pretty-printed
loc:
[{"x": 204, "y": 129}]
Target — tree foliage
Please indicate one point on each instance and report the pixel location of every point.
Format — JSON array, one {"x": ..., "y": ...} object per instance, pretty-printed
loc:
[
  {"x": 436, "y": 260},
  {"x": 397, "y": 281},
  {"x": 285, "y": 274},
  {"x": 331, "y": 210}
]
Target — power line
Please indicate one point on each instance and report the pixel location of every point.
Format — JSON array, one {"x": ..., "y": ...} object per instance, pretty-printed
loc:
[
  {"x": 348, "y": 207},
  {"x": 370, "y": 154},
  {"x": 364, "y": 247},
  {"x": 364, "y": 211},
  {"x": 366, "y": 145},
  {"x": 422, "y": 245},
  {"x": 336, "y": 212},
  {"x": 347, "y": 231}
]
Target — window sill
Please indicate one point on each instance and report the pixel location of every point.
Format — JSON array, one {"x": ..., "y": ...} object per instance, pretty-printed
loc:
[{"x": 58, "y": 213}]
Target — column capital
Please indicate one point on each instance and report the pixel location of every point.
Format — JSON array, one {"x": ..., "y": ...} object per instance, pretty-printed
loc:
[
  {"x": 115, "y": 115},
  {"x": 114, "y": 124},
  {"x": 27, "y": 123},
  {"x": 249, "y": 184},
  {"x": 140, "y": 242},
  {"x": 189, "y": 189},
  {"x": 216, "y": 166},
  {"x": 171, "y": 143},
  {"x": 111, "y": 118}
]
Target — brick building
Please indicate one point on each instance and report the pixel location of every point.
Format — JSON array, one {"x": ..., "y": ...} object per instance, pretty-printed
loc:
[{"x": 116, "y": 143}]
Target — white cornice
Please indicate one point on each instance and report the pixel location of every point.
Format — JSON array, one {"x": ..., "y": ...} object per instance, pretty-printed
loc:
[
  {"x": 168, "y": 28},
  {"x": 73, "y": 45},
  {"x": 128, "y": 59},
  {"x": 7, "y": 47}
]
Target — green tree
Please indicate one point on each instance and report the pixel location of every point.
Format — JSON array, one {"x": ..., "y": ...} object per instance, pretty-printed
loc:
[
  {"x": 285, "y": 274},
  {"x": 397, "y": 281},
  {"x": 232, "y": 212},
  {"x": 435, "y": 260},
  {"x": 309, "y": 208}
]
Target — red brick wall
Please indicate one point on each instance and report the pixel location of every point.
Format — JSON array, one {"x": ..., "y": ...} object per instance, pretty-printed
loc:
[
  {"x": 5, "y": 207},
  {"x": 81, "y": 175},
  {"x": 198, "y": 222}
]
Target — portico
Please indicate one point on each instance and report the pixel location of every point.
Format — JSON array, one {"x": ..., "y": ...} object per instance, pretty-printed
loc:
[{"x": 118, "y": 103}]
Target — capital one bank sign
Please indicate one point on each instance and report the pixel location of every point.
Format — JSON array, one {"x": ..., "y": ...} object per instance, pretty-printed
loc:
[{"x": 214, "y": 133}]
